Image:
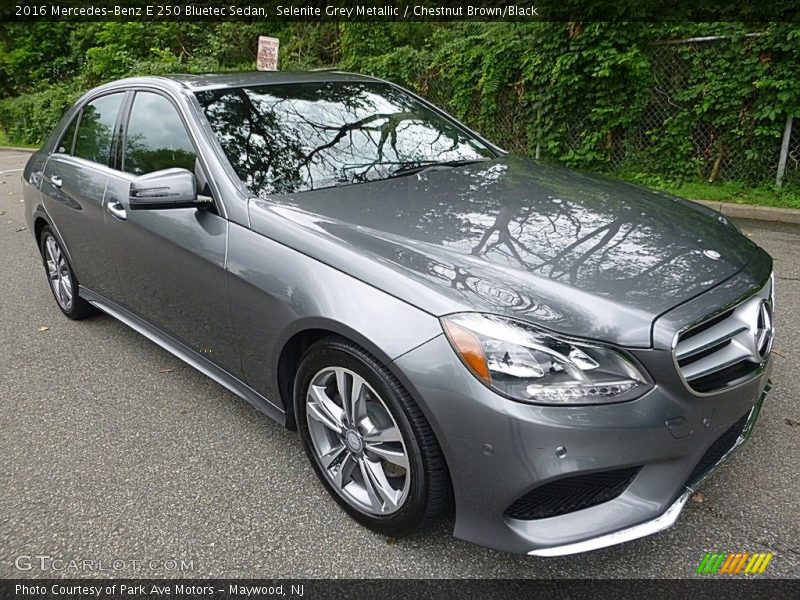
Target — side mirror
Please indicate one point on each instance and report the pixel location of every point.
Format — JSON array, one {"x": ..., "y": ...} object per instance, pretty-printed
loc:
[{"x": 170, "y": 188}]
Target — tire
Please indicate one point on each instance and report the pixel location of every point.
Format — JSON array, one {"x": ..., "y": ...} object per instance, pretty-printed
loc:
[
  {"x": 405, "y": 499},
  {"x": 61, "y": 278}
]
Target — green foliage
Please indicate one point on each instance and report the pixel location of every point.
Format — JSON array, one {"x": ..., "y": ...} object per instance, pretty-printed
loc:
[
  {"x": 596, "y": 95},
  {"x": 45, "y": 67},
  {"x": 28, "y": 119},
  {"x": 6, "y": 141},
  {"x": 604, "y": 96},
  {"x": 740, "y": 91}
]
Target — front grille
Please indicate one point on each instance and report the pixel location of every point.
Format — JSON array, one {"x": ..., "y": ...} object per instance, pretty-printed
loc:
[
  {"x": 569, "y": 494},
  {"x": 718, "y": 449},
  {"x": 728, "y": 348}
]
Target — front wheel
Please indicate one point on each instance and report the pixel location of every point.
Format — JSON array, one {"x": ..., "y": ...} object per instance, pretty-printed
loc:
[{"x": 367, "y": 440}]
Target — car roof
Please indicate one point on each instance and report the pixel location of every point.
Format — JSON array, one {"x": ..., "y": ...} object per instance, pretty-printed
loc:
[
  {"x": 208, "y": 81},
  {"x": 205, "y": 81}
]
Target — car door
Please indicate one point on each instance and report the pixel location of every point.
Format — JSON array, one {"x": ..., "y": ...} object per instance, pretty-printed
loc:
[
  {"x": 73, "y": 187},
  {"x": 171, "y": 262}
]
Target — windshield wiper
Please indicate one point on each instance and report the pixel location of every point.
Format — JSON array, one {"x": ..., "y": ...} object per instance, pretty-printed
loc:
[{"x": 423, "y": 166}]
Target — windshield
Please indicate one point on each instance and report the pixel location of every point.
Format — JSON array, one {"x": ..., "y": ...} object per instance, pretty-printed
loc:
[{"x": 292, "y": 138}]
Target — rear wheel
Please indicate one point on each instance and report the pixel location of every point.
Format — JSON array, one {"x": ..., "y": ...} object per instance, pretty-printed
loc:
[
  {"x": 61, "y": 278},
  {"x": 367, "y": 440}
]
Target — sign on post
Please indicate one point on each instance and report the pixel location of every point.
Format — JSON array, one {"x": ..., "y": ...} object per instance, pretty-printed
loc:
[{"x": 267, "y": 58}]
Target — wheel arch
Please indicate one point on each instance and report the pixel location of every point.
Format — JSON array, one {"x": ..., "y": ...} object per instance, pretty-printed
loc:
[
  {"x": 42, "y": 220},
  {"x": 39, "y": 224},
  {"x": 290, "y": 358},
  {"x": 301, "y": 337}
]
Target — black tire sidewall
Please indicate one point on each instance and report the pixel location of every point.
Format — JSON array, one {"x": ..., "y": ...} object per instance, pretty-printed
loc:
[
  {"x": 340, "y": 354},
  {"x": 79, "y": 307}
]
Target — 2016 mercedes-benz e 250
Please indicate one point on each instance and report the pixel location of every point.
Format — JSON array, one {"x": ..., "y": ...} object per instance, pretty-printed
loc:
[{"x": 565, "y": 356}]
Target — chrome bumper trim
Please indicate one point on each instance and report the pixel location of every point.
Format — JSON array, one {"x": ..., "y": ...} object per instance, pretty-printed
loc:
[
  {"x": 664, "y": 521},
  {"x": 667, "y": 518}
]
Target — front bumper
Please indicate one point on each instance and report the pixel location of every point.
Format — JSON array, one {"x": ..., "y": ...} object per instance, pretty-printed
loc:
[
  {"x": 670, "y": 516},
  {"x": 498, "y": 450}
]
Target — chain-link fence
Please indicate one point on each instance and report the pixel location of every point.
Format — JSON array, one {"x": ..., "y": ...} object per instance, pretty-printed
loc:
[{"x": 716, "y": 154}]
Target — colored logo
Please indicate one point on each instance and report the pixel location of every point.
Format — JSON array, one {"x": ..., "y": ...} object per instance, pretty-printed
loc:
[{"x": 734, "y": 563}]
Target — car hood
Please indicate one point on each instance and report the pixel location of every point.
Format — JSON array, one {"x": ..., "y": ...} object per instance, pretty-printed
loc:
[{"x": 573, "y": 252}]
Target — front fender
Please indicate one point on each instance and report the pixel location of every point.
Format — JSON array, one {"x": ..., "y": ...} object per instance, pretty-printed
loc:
[{"x": 277, "y": 292}]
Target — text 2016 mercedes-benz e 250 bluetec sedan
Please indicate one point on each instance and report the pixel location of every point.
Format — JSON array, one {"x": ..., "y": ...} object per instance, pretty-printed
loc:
[{"x": 562, "y": 356}]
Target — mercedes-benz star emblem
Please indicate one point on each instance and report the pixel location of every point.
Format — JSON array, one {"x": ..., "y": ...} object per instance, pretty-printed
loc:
[
  {"x": 353, "y": 441},
  {"x": 763, "y": 333}
]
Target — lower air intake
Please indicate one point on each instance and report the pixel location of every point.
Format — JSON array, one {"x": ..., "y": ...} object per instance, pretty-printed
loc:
[
  {"x": 569, "y": 494},
  {"x": 718, "y": 449}
]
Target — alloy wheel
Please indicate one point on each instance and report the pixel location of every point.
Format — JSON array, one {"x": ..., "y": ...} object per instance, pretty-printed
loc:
[
  {"x": 357, "y": 442},
  {"x": 58, "y": 273}
]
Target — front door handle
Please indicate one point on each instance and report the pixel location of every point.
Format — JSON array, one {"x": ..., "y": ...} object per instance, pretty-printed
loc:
[
  {"x": 56, "y": 181},
  {"x": 117, "y": 210}
]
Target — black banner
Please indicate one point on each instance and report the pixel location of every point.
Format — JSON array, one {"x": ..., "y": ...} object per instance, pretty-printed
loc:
[
  {"x": 408, "y": 10},
  {"x": 619, "y": 589}
]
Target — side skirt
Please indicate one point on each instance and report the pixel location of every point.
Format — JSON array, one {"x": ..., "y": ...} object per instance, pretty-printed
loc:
[{"x": 186, "y": 354}]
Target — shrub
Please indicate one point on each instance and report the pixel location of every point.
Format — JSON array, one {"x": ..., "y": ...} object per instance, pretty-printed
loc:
[{"x": 29, "y": 118}]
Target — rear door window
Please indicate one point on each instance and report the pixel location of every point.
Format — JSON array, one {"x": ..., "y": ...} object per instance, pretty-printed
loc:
[
  {"x": 65, "y": 145},
  {"x": 96, "y": 128}
]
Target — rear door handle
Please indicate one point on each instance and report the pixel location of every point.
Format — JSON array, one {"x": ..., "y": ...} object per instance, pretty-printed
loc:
[
  {"x": 117, "y": 210},
  {"x": 56, "y": 181}
]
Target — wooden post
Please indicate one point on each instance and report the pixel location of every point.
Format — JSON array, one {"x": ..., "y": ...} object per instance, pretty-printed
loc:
[{"x": 787, "y": 134}]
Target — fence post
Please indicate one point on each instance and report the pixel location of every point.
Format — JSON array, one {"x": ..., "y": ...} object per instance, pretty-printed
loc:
[{"x": 787, "y": 134}]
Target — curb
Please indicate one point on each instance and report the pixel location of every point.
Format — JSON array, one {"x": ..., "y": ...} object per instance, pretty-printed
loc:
[
  {"x": 17, "y": 149},
  {"x": 757, "y": 213}
]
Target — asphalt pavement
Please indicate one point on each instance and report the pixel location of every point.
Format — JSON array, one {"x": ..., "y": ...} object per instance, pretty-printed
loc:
[{"x": 113, "y": 450}]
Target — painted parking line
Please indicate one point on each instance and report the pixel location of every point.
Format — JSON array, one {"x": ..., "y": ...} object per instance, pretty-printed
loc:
[
  {"x": 12, "y": 170},
  {"x": 3, "y": 157}
]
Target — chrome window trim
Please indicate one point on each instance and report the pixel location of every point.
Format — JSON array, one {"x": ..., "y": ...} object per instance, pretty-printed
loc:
[
  {"x": 78, "y": 117},
  {"x": 177, "y": 101}
]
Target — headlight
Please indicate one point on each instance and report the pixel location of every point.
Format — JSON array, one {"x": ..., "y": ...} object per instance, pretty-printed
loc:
[{"x": 527, "y": 364}]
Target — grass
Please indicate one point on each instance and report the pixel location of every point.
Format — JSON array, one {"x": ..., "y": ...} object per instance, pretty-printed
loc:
[
  {"x": 729, "y": 191},
  {"x": 738, "y": 193},
  {"x": 5, "y": 141}
]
